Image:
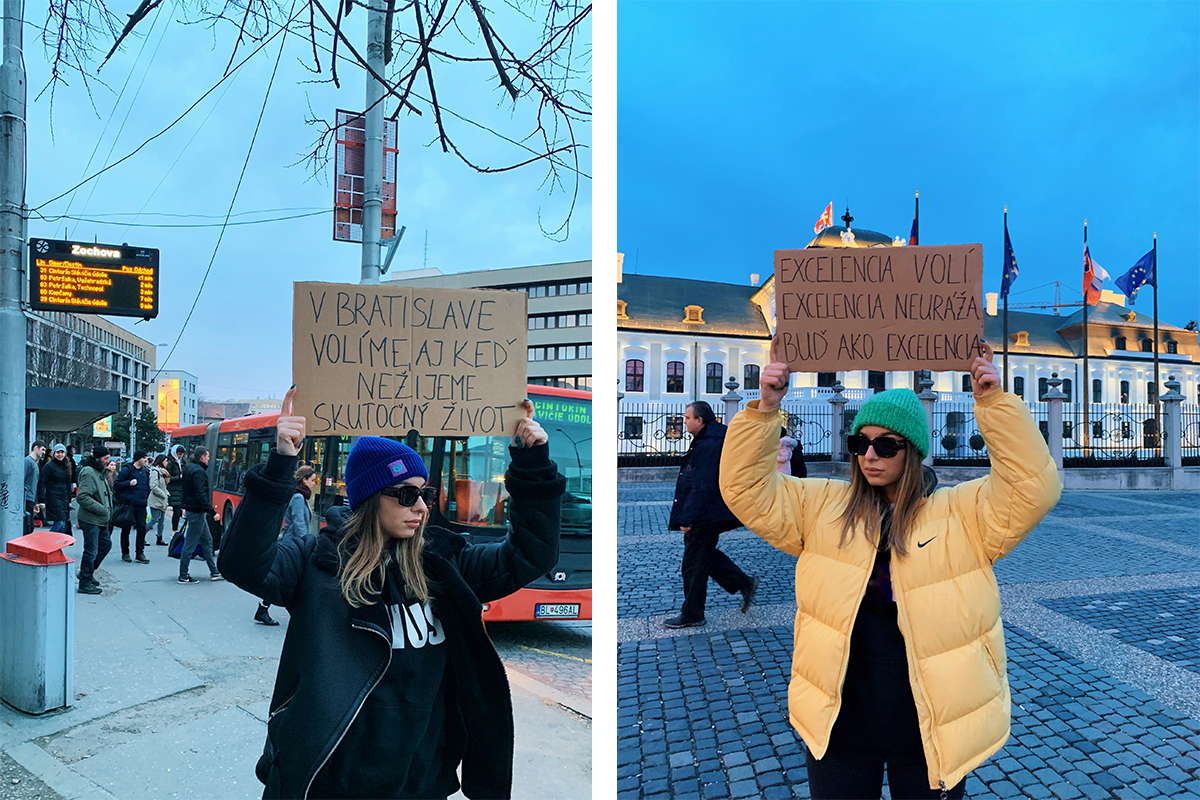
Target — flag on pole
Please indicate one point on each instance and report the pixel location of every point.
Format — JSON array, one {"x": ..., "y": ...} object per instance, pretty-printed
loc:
[
  {"x": 826, "y": 219},
  {"x": 1094, "y": 277},
  {"x": 1139, "y": 275},
  {"x": 1010, "y": 265},
  {"x": 912, "y": 232}
]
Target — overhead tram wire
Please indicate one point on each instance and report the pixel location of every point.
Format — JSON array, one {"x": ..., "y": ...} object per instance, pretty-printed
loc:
[
  {"x": 175, "y": 163},
  {"x": 282, "y": 29},
  {"x": 129, "y": 225},
  {"x": 117, "y": 105},
  {"x": 236, "y": 189}
]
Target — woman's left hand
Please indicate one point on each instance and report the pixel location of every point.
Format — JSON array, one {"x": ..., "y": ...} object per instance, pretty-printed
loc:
[
  {"x": 529, "y": 433},
  {"x": 984, "y": 377},
  {"x": 289, "y": 429}
]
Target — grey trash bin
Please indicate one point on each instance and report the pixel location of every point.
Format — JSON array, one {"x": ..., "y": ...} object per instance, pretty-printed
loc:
[{"x": 37, "y": 623}]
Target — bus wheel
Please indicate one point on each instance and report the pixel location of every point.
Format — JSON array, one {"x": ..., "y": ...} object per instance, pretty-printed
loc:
[{"x": 226, "y": 519}]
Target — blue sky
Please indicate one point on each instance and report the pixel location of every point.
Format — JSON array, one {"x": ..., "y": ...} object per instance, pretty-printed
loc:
[
  {"x": 238, "y": 343},
  {"x": 739, "y": 122}
]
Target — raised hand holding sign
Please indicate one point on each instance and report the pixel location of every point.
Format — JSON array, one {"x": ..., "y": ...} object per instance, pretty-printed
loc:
[
  {"x": 289, "y": 429},
  {"x": 775, "y": 379},
  {"x": 529, "y": 433},
  {"x": 984, "y": 377}
]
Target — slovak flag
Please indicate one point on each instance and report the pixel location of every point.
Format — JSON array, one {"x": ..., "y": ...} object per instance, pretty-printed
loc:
[
  {"x": 826, "y": 219},
  {"x": 1094, "y": 277}
]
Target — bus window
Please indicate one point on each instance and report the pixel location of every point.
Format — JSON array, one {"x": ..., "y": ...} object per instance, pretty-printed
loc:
[
  {"x": 568, "y": 426},
  {"x": 473, "y": 480},
  {"x": 219, "y": 464}
]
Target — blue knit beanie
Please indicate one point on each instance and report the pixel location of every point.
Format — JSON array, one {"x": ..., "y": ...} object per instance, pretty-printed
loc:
[
  {"x": 900, "y": 411},
  {"x": 376, "y": 463}
]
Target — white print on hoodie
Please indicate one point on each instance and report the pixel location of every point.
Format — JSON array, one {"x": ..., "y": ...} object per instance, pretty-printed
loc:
[{"x": 415, "y": 626}]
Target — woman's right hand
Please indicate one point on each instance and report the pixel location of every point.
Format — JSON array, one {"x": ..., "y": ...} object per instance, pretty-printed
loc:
[
  {"x": 289, "y": 429},
  {"x": 774, "y": 381}
]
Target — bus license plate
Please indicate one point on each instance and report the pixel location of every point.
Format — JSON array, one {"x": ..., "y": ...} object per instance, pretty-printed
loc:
[{"x": 559, "y": 610}]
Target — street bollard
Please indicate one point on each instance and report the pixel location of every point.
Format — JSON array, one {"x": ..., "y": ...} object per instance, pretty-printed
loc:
[{"x": 37, "y": 623}]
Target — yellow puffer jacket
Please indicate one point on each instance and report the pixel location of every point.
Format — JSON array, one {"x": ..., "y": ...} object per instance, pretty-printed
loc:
[{"x": 946, "y": 592}]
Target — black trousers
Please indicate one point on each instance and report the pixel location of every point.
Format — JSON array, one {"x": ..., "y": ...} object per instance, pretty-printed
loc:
[
  {"x": 139, "y": 524},
  {"x": 176, "y": 515},
  {"x": 853, "y": 777},
  {"x": 701, "y": 561}
]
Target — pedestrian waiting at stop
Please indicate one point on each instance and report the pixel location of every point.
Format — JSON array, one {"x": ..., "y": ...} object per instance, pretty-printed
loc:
[
  {"x": 175, "y": 465},
  {"x": 297, "y": 518},
  {"x": 387, "y": 680},
  {"x": 54, "y": 490},
  {"x": 700, "y": 513},
  {"x": 159, "y": 496},
  {"x": 95, "y": 500},
  {"x": 132, "y": 487},
  {"x": 197, "y": 506},
  {"x": 33, "y": 467},
  {"x": 899, "y": 659}
]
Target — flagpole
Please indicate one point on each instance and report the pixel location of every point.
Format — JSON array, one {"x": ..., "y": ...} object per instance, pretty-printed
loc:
[
  {"x": 1087, "y": 377},
  {"x": 1002, "y": 274},
  {"x": 1157, "y": 405}
]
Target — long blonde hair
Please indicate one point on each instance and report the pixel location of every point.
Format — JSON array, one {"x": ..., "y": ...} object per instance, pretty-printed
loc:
[
  {"x": 365, "y": 551},
  {"x": 868, "y": 503}
]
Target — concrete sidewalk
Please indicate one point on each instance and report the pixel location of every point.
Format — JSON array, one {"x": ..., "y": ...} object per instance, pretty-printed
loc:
[{"x": 172, "y": 684}]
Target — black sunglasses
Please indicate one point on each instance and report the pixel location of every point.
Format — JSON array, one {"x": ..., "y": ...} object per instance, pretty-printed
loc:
[
  {"x": 885, "y": 447},
  {"x": 406, "y": 494}
]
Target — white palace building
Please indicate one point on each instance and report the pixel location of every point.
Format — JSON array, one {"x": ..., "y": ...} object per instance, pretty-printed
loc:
[{"x": 680, "y": 340}]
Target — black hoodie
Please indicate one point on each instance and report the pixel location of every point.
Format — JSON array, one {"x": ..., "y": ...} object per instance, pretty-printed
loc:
[
  {"x": 334, "y": 655},
  {"x": 697, "y": 490}
]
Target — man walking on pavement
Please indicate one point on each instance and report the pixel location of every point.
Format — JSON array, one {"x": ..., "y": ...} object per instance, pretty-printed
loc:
[
  {"x": 702, "y": 515},
  {"x": 95, "y": 510},
  {"x": 133, "y": 487},
  {"x": 197, "y": 506},
  {"x": 33, "y": 466}
]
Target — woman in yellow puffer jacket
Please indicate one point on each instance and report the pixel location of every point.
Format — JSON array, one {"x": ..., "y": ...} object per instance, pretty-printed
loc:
[{"x": 899, "y": 647}]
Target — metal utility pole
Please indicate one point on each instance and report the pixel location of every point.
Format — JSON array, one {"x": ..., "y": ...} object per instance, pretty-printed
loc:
[
  {"x": 373, "y": 147},
  {"x": 12, "y": 240}
]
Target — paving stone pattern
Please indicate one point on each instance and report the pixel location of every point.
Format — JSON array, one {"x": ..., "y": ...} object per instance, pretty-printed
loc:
[
  {"x": 704, "y": 716},
  {"x": 1162, "y": 622}
]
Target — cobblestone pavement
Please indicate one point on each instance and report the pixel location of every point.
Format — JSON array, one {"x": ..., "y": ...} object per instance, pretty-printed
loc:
[{"x": 1102, "y": 622}]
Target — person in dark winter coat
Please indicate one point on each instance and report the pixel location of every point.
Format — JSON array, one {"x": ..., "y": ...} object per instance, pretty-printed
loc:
[
  {"x": 702, "y": 515},
  {"x": 54, "y": 490},
  {"x": 132, "y": 487},
  {"x": 197, "y": 504},
  {"x": 387, "y": 680},
  {"x": 296, "y": 521},
  {"x": 175, "y": 465}
]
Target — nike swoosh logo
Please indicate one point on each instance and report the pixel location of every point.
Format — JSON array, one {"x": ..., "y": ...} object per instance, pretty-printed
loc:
[{"x": 927, "y": 541}]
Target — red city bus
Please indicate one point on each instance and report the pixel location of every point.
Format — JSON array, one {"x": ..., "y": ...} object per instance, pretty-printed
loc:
[{"x": 467, "y": 471}]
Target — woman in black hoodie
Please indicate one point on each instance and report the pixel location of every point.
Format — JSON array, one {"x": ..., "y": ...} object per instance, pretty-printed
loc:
[
  {"x": 387, "y": 680},
  {"x": 54, "y": 490}
]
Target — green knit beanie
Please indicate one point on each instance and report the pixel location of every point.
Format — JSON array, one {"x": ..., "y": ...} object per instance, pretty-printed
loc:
[{"x": 900, "y": 411}]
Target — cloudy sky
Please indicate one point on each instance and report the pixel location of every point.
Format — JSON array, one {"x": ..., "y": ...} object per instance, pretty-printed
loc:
[
  {"x": 739, "y": 122},
  {"x": 238, "y": 342}
]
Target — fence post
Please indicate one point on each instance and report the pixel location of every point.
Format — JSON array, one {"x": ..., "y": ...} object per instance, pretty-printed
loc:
[
  {"x": 927, "y": 397},
  {"x": 1054, "y": 428},
  {"x": 1172, "y": 424},
  {"x": 837, "y": 441},
  {"x": 732, "y": 400}
]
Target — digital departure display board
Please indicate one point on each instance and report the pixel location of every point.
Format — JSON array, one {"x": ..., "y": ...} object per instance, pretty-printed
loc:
[{"x": 117, "y": 280}]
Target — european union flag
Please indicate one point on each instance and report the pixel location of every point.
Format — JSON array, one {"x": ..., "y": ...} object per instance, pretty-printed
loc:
[
  {"x": 1139, "y": 275},
  {"x": 1010, "y": 265}
]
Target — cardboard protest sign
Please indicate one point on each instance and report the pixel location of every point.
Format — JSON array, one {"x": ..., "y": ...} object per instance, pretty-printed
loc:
[
  {"x": 381, "y": 361},
  {"x": 880, "y": 308}
]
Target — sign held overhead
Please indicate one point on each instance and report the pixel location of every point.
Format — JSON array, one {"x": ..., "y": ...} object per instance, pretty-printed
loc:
[
  {"x": 375, "y": 360},
  {"x": 879, "y": 308}
]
